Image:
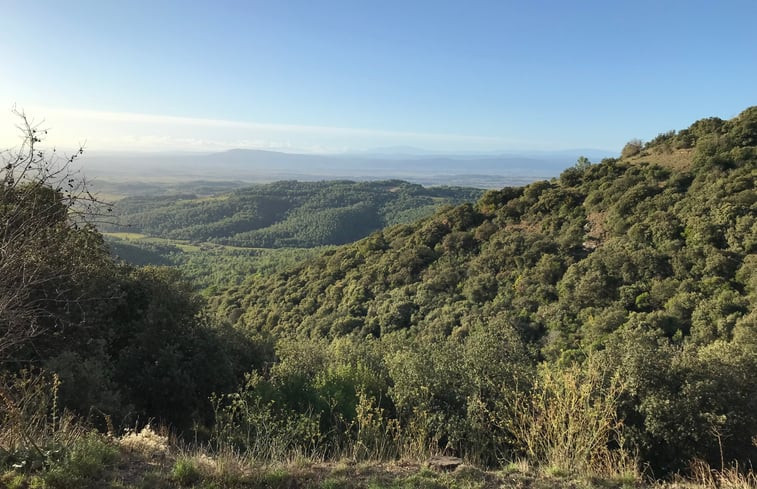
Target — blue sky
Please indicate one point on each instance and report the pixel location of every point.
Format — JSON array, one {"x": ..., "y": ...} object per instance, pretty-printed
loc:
[{"x": 349, "y": 75}]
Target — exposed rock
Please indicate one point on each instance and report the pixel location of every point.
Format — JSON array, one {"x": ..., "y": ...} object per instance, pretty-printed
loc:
[
  {"x": 444, "y": 463},
  {"x": 589, "y": 245}
]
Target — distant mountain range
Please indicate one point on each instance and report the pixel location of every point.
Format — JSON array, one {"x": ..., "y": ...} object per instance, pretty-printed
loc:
[{"x": 412, "y": 164}]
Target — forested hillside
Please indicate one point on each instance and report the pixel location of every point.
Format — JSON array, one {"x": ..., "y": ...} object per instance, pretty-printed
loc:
[
  {"x": 651, "y": 268},
  {"x": 285, "y": 214}
]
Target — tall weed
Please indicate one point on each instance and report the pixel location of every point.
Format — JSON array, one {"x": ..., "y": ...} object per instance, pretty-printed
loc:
[
  {"x": 726, "y": 478},
  {"x": 33, "y": 431},
  {"x": 568, "y": 421}
]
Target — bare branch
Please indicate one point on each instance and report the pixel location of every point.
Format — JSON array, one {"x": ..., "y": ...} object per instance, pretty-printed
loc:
[{"x": 44, "y": 203}]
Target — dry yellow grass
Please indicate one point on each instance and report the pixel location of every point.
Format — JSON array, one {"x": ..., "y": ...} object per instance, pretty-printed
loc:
[
  {"x": 678, "y": 159},
  {"x": 126, "y": 236},
  {"x": 145, "y": 442}
]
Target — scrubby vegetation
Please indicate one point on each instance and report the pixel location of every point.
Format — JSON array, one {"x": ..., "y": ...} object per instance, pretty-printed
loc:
[{"x": 596, "y": 329}]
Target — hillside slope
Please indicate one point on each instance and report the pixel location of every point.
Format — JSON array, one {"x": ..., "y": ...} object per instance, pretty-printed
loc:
[
  {"x": 616, "y": 237},
  {"x": 652, "y": 266}
]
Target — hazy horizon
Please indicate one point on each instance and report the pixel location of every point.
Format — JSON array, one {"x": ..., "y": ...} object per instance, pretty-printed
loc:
[{"x": 474, "y": 170}]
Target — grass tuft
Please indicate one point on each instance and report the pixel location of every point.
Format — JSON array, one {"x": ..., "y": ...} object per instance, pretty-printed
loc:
[
  {"x": 85, "y": 465},
  {"x": 185, "y": 471}
]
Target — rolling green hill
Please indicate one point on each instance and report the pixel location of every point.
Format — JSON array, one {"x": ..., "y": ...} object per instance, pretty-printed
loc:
[{"x": 285, "y": 214}]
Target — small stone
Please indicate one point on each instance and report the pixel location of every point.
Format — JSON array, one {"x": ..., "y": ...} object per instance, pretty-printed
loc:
[{"x": 444, "y": 463}]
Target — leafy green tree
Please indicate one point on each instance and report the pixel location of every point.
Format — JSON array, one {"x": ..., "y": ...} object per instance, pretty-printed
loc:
[{"x": 582, "y": 163}]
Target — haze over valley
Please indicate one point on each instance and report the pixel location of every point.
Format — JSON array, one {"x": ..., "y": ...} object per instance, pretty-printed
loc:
[{"x": 417, "y": 166}]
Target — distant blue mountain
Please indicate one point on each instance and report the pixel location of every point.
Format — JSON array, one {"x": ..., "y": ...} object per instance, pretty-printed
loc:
[{"x": 482, "y": 170}]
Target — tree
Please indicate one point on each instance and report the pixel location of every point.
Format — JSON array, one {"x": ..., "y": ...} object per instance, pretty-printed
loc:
[
  {"x": 582, "y": 163},
  {"x": 46, "y": 246}
]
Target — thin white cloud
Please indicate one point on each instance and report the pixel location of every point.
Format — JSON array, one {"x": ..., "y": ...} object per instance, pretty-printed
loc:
[
  {"x": 105, "y": 130},
  {"x": 106, "y": 116}
]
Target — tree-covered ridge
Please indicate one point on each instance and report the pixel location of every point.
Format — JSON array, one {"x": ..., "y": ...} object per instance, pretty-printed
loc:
[
  {"x": 675, "y": 149},
  {"x": 287, "y": 213},
  {"x": 612, "y": 235},
  {"x": 652, "y": 267}
]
